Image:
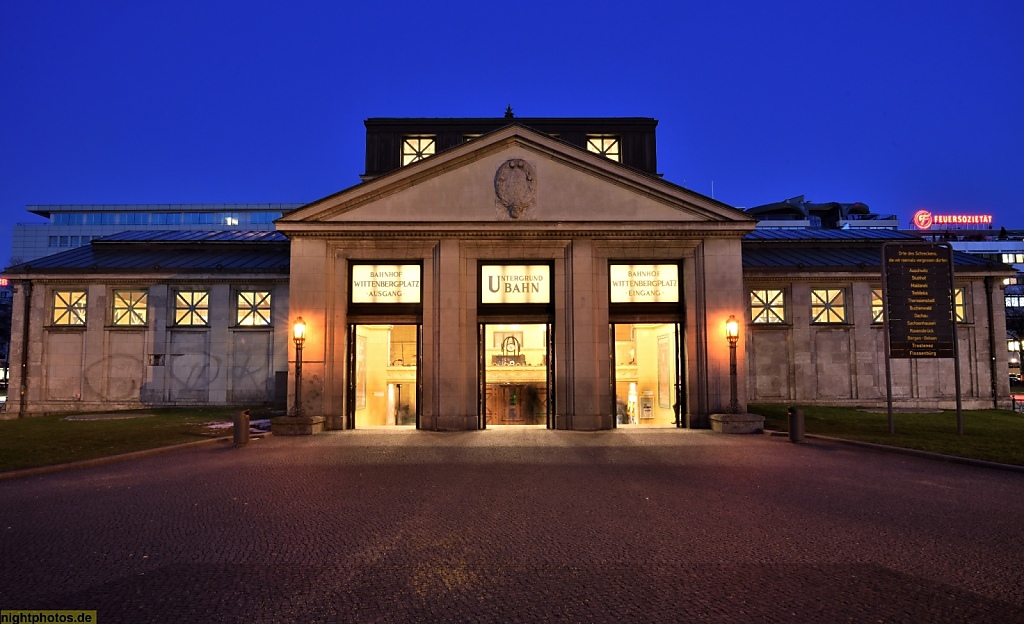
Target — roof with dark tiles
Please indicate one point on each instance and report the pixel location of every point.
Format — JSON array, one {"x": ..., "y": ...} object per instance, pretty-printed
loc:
[
  {"x": 178, "y": 251},
  {"x": 823, "y": 250}
]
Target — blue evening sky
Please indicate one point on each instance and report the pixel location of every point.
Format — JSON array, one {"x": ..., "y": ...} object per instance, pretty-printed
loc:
[{"x": 900, "y": 105}]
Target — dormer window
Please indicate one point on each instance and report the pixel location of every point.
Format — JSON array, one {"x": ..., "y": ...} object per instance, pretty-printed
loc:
[
  {"x": 415, "y": 148},
  {"x": 606, "y": 145}
]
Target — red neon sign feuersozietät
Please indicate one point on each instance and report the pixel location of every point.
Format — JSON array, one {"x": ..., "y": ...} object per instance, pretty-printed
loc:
[{"x": 924, "y": 219}]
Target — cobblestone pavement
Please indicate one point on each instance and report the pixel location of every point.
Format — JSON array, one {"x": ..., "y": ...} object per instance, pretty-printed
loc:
[{"x": 518, "y": 525}]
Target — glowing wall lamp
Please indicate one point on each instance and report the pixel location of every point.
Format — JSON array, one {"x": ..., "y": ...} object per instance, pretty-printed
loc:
[
  {"x": 299, "y": 336},
  {"x": 732, "y": 333}
]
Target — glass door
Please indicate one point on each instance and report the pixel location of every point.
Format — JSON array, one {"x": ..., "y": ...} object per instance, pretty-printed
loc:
[
  {"x": 515, "y": 375},
  {"x": 647, "y": 374},
  {"x": 384, "y": 384}
]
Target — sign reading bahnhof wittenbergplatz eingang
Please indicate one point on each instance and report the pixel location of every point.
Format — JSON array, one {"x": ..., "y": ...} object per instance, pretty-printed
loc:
[
  {"x": 385, "y": 283},
  {"x": 644, "y": 283},
  {"x": 919, "y": 301}
]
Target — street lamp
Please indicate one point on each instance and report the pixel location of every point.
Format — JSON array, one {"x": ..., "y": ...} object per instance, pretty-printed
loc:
[
  {"x": 732, "y": 333},
  {"x": 299, "y": 336}
]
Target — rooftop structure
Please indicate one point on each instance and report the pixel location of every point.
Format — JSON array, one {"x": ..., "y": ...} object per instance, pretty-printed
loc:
[
  {"x": 392, "y": 143},
  {"x": 796, "y": 212},
  {"x": 75, "y": 225}
]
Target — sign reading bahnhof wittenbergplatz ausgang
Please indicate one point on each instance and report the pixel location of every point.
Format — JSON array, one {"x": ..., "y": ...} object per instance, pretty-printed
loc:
[
  {"x": 644, "y": 283},
  {"x": 529, "y": 283},
  {"x": 919, "y": 300},
  {"x": 385, "y": 283}
]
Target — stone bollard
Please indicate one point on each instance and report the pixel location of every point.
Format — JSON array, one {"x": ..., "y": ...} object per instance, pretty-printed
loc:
[
  {"x": 796, "y": 424},
  {"x": 241, "y": 428}
]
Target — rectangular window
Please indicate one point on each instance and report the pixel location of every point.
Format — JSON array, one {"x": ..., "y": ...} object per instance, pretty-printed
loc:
[
  {"x": 53, "y": 241},
  {"x": 877, "y": 310},
  {"x": 416, "y": 148},
  {"x": 68, "y": 218},
  {"x": 767, "y": 306},
  {"x": 1013, "y": 258},
  {"x": 828, "y": 305},
  {"x": 192, "y": 307},
  {"x": 69, "y": 307},
  {"x": 64, "y": 241},
  {"x": 1013, "y": 345},
  {"x": 606, "y": 145},
  {"x": 960, "y": 304},
  {"x": 130, "y": 307},
  {"x": 254, "y": 308},
  {"x": 75, "y": 241},
  {"x": 268, "y": 217},
  {"x": 1014, "y": 301}
]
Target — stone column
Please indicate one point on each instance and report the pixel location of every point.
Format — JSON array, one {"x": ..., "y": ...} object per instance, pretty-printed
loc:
[{"x": 585, "y": 383}]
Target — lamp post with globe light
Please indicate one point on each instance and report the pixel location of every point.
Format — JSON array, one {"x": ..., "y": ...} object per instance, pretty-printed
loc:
[
  {"x": 299, "y": 336},
  {"x": 732, "y": 333}
]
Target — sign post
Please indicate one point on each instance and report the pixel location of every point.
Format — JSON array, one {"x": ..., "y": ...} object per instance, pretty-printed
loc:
[{"x": 920, "y": 319}]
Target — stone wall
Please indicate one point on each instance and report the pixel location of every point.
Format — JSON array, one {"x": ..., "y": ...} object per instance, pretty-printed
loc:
[
  {"x": 102, "y": 366},
  {"x": 844, "y": 363}
]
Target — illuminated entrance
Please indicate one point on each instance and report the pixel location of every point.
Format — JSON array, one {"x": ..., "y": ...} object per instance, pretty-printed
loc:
[
  {"x": 646, "y": 337},
  {"x": 515, "y": 346},
  {"x": 647, "y": 376},
  {"x": 384, "y": 386},
  {"x": 515, "y": 376}
]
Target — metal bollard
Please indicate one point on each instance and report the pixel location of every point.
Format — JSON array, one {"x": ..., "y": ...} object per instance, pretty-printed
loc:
[
  {"x": 796, "y": 424},
  {"x": 241, "y": 428}
]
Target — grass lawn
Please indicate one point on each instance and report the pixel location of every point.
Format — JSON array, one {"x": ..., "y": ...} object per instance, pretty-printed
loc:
[
  {"x": 54, "y": 439},
  {"x": 990, "y": 435}
]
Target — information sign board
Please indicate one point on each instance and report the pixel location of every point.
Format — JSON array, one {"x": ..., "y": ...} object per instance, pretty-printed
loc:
[
  {"x": 385, "y": 283},
  {"x": 644, "y": 283},
  {"x": 919, "y": 301}
]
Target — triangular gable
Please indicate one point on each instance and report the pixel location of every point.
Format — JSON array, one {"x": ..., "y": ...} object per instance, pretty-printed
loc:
[{"x": 514, "y": 174}]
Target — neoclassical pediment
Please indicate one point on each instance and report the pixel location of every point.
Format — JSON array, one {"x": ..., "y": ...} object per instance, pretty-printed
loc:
[{"x": 513, "y": 175}]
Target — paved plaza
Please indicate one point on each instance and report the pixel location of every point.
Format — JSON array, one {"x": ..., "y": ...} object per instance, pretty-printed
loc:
[{"x": 518, "y": 525}]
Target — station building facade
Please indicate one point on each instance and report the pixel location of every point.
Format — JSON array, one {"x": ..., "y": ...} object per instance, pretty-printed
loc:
[
  {"x": 536, "y": 282},
  {"x": 487, "y": 272}
]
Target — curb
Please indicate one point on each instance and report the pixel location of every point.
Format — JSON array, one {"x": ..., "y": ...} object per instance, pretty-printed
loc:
[
  {"x": 100, "y": 461},
  {"x": 952, "y": 459}
]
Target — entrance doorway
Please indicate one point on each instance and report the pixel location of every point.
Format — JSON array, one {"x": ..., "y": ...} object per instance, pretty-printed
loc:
[
  {"x": 515, "y": 374},
  {"x": 647, "y": 376},
  {"x": 384, "y": 376}
]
